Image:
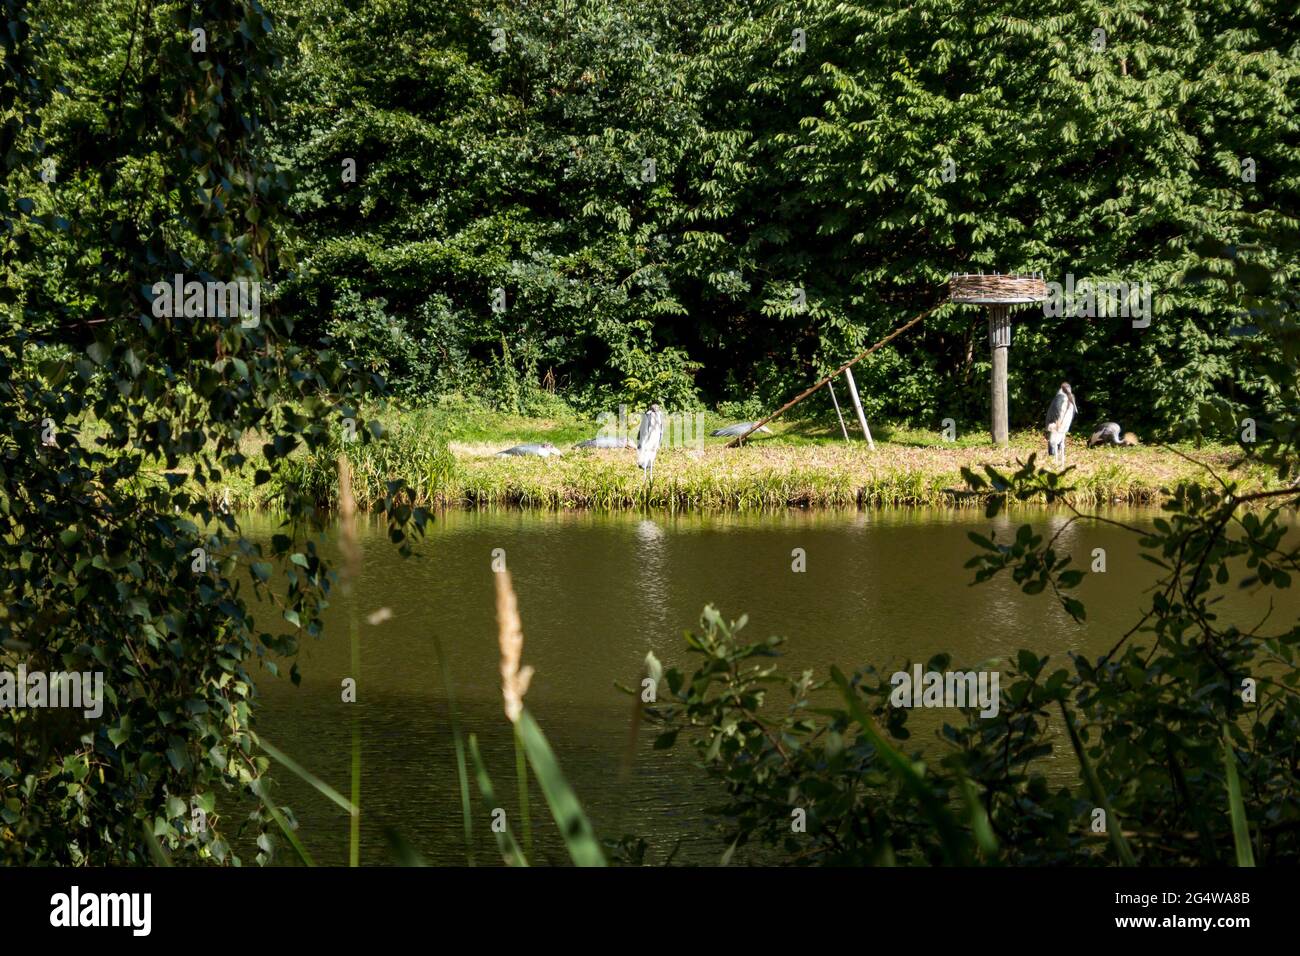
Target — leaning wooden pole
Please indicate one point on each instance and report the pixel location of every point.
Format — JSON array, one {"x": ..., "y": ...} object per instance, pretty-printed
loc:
[
  {"x": 830, "y": 386},
  {"x": 857, "y": 407},
  {"x": 849, "y": 364}
]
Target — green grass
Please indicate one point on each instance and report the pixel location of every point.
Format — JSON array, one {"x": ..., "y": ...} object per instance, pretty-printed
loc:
[
  {"x": 773, "y": 473},
  {"x": 447, "y": 456}
]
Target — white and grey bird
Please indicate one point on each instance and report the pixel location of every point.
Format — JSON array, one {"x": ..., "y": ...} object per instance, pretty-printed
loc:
[
  {"x": 542, "y": 450},
  {"x": 648, "y": 437},
  {"x": 605, "y": 441},
  {"x": 731, "y": 431},
  {"x": 1109, "y": 434},
  {"x": 1060, "y": 415}
]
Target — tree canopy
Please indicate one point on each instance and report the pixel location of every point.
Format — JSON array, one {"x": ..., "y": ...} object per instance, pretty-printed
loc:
[{"x": 716, "y": 203}]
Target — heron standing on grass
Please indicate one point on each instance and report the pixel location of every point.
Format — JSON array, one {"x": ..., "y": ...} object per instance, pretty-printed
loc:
[
  {"x": 1060, "y": 414},
  {"x": 648, "y": 437}
]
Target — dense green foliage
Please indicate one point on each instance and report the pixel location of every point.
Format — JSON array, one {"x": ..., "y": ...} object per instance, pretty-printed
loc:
[
  {"x": 649, "y": 186},
  {"x": 159, "y": 167},
  {"x": 1186, "y": 732},
  {"x": 778, "y": 169}
]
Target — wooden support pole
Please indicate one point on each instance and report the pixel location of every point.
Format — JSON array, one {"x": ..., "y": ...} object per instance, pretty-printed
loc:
[
  {"x": 857, "y": 407},
  {"x": 849, "y": 364},
  {"x": 835, "y": 401},
  {"x": 1000, "y": 344}
]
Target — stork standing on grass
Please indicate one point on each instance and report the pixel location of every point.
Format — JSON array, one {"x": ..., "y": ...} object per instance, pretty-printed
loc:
[
  {"x": 1060, "y": 415},
  {"x": 648, "y": 437}
]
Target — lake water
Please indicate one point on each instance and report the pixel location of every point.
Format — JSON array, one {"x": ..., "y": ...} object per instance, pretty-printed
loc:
[{"x": 596, "y": 592}]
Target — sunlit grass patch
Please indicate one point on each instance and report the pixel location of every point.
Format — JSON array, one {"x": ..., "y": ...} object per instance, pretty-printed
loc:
[{"x": 448, "y": 458}]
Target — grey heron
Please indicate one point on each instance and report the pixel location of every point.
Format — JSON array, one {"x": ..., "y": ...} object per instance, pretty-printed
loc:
[
  {"x": 731, "y": 431},
  {"x": 1060, "y": 414},
  {"x": 1109, "y": 434},
  {"x": 542, "y": 450},
  {"x": 605, "y": 441},
  {"x": 648, "y": 437}
]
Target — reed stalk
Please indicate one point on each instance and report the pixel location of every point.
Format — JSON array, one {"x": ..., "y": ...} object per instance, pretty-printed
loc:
[
  {"x": 514, "y": 685},
  {"x": 462, "y": 771},
  {"x": 351, "y": 549}
]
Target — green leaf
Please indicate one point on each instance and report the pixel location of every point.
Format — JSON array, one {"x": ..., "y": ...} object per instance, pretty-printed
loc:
[
  {"x": 1236, "y": 808},
  {"x": 954, "y": 843},
  {"x": 579, "y": 838},
  {"x": 306, "y": 775},
  {"x": 510, "y": 851},
  {"x": 258, "y": 787},
  {"x": 1113, "y": 830}
]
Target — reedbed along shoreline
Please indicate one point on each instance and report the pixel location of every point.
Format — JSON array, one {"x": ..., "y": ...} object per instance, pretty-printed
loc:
[{"x": 771, "y": 477}]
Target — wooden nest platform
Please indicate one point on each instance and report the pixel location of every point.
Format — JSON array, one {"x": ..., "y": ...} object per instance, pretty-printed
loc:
[{"x": 996, "y": 289}]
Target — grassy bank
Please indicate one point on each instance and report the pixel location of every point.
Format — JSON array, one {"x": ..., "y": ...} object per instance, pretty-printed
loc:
[{"x": 450, "y": 460}]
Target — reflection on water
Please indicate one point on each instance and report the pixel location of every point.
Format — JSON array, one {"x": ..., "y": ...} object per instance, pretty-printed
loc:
[{"x": 596, "y": 591}]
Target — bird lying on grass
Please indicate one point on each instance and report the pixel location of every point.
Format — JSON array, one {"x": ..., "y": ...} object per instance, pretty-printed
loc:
[
  {"x": 731, "y": 431},
  {"x": 1109, "y": 434},
  {"x": 606, "y": 441},
  {"x": 543, "y": 450}
]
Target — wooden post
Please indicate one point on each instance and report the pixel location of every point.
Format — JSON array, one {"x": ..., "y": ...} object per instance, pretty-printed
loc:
[
  {"x": 836, "y": 403},
  {"x": 857, "y": 407},
  {"x": 1000, "y": 344}
]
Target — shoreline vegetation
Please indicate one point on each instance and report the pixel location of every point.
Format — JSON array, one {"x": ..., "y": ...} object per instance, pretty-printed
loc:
[{"x": 453, "y": 463}]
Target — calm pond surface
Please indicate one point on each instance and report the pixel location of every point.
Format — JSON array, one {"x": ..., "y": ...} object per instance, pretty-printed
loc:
[{"x": 596, "y": 592}]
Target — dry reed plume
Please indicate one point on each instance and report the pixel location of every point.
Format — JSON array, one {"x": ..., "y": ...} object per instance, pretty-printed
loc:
[{"x": 510, "y": 634}]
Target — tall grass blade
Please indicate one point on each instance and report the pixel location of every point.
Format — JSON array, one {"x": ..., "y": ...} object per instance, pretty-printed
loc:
[
  {"x": 653, "y": 671},
  {"x": 462, "y": 772},
  {"x": 354, "y": 827},
  {"x": 404, "y": 854},
  {"x": 278, "y": 817},
  {"x": 953, "y": 842},
  {"x": 1194, "y": 808},
  {"x": 1113, "y": 830},
  {"x": 574, "y": 826},
  {"x": 157, "y": 853},
  {"x": 1236, "y": 807},
  {"x": 985, "y": 838},
  {"x": 510, "y": 851},
  {"x": 730, "y": 852},
  {"x": 351, "y": 548},
  {"x": 307, "y": 776},
  {"x": 521, "y": 780}
]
